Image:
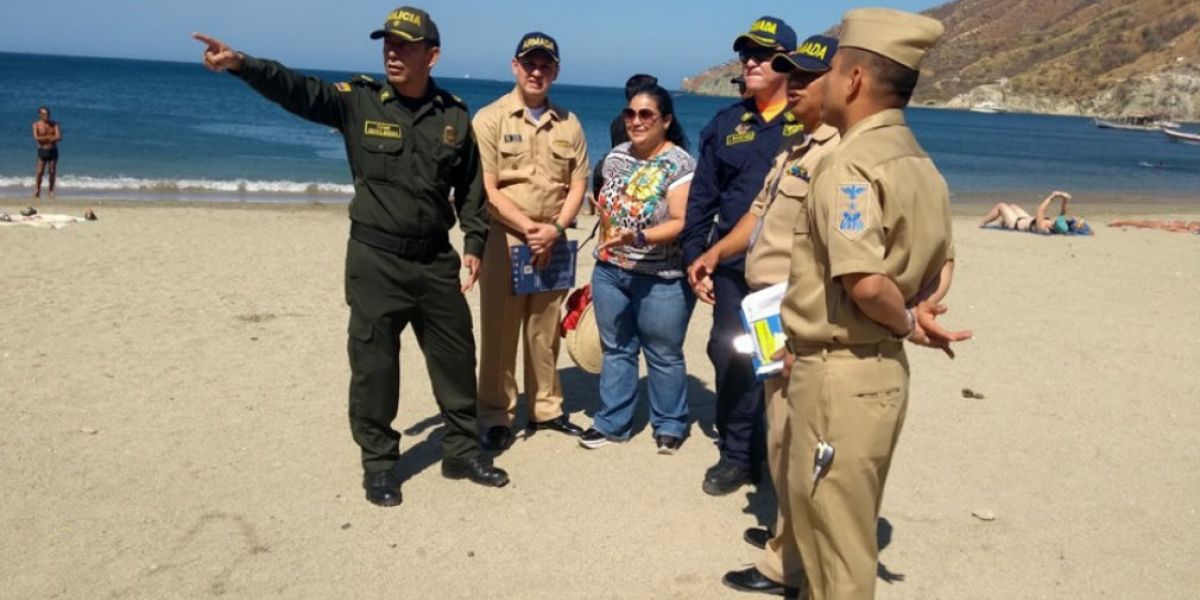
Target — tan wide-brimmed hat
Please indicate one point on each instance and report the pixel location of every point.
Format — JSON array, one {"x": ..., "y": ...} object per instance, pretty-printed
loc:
[{"x": 583, "y": 342}]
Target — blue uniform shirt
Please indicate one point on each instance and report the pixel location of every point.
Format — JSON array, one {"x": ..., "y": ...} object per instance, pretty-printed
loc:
[{"x": 736, "y": 151}]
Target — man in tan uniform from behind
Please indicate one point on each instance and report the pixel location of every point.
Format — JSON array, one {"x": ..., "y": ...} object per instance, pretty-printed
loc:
[
  {"x": 535, "y": 169},
  {"x": 872, "y": 254},
  {"x": 765, "y": 235}
]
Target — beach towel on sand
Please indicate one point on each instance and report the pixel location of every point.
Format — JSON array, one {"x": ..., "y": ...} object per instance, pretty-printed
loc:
[{"x": 39, "y": 220}]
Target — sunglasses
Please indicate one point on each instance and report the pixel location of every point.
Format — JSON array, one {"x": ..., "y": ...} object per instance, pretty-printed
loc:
[
  {"x": 530, "y": 66},
  {"x": 645, "y": 115},
  {"x": 761, "y": 56}
]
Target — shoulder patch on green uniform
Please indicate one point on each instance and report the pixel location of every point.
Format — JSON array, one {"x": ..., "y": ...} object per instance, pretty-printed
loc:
[{"x": 850, "y": 218}]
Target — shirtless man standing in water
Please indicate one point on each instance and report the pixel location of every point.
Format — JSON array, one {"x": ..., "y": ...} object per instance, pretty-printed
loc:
[{"x": 47, "y": 134}]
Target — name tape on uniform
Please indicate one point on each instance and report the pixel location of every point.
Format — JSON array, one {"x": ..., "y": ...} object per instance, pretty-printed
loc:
[
  {"x": 734, "y": 139},
  {"x": 383, "y": 130}
]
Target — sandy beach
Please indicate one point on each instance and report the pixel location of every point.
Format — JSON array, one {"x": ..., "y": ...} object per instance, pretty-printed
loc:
[{"x": 173, "y": 425}]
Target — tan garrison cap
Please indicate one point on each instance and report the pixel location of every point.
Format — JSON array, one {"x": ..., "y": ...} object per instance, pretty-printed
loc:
[{"x": 901, "y": 36}]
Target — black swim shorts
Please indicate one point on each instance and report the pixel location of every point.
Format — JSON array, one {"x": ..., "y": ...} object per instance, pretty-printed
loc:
[{"x": 47, "y": 153}]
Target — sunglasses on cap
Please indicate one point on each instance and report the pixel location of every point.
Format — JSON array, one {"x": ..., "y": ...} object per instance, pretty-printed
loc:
[{"x": 645, "y": 115}]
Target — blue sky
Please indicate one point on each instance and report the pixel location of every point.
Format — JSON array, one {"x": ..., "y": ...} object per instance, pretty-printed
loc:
[{"x": 603, "y": 41}]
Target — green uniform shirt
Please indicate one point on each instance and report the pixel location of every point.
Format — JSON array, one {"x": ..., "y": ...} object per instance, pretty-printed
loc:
[{"x": 404, "y": 160}]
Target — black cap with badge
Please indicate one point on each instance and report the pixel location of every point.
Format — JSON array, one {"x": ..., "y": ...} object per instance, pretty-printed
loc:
[
  {"x": 768, "y": 32},
  {"x": 537, "y": 42},
  {"x": 409, "y": 24},
  {"x": 813, "y": 56}
]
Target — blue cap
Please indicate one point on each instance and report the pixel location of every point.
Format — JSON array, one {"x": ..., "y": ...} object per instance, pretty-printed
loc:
[
  {"x": 768, "y": 32},
  {"x": 537, "y": 41},
  {"x": 814, "y": 56}
]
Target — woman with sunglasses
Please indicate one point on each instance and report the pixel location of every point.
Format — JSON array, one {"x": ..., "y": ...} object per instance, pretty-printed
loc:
[{"x": 639, "y": 294}]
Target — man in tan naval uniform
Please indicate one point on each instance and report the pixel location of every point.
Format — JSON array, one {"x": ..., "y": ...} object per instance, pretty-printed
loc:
[
  {"x": 869, "y": 261},
  {"x": 535, "y": 169},
  {"x": 765, "y": 234}
]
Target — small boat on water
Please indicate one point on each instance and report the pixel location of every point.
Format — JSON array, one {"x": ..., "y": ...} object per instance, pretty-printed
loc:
[
  {"x": 1179, "y": 136},
  {"x": 988, "y": 108},
  {"x": 1137, "y": 123}
]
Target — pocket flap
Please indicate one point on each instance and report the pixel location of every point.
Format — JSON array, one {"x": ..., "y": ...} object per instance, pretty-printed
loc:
[{"x": 382, "y": 145}]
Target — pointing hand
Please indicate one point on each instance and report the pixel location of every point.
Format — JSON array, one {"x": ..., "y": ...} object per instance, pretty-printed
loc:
[{"x": 218, "y": 56}]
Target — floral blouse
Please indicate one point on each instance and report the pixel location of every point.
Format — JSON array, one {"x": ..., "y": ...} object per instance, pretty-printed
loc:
[{"x": 634, "y": 196}]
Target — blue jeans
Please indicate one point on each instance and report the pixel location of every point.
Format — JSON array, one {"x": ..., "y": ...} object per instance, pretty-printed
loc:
[{"x": 635, "y": 313}]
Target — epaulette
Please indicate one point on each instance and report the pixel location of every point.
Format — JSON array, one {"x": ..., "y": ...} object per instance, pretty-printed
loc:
[
  {"x": 449, "y": 99},
  {"x": 367, "y": 81}
]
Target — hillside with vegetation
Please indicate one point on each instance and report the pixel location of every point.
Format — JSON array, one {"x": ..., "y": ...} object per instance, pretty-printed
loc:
[{"x": 1104, "y": 57}]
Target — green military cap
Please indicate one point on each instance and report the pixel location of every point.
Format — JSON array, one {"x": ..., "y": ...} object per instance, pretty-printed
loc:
[{"x": 411, "y": 24}]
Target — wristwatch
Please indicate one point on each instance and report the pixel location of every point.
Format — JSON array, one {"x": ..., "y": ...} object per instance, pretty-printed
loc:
[{"x": 639, "y": 239}]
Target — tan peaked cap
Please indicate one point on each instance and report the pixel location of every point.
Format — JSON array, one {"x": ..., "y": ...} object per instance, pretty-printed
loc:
[{"x": 901, "y": 36}]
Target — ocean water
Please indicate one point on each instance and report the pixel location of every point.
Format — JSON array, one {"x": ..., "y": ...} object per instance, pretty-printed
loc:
[{"x": 145, "y": 129}]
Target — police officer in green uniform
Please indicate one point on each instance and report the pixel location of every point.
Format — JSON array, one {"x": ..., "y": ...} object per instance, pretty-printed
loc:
[{"x": 408, "y": 143}]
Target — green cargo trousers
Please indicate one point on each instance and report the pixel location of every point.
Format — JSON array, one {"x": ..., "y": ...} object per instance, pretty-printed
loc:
[{"x": 385, "y": 293}]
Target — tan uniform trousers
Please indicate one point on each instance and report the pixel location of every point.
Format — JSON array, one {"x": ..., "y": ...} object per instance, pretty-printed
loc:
[
  {"x": 502, "y": 317},
  {"x": 854, "y": 399},
  {"x": 780, "y": 560}
]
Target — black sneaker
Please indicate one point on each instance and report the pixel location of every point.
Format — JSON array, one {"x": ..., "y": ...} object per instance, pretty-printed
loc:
[
  {"x": 667, "y": 444},
  {"x": 592, "y": 439}
]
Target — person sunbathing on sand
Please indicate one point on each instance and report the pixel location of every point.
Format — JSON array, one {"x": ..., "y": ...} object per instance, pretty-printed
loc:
[
  {"x": 1162, "y": 225},
  {"x": 1012, "y": 216}
]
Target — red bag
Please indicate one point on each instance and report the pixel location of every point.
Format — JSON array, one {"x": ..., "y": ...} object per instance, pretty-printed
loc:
[{"x": 576, "y": 302}]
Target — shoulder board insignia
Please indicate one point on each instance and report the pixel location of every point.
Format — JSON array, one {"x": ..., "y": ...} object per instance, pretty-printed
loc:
[
  {"x": 383, "y": 130},
  {"x": 343, "y": 87},
  {"x": 734, "y": 139},
  {"x": 365, "y": 81},
  {"x": 792, "y": 129}
]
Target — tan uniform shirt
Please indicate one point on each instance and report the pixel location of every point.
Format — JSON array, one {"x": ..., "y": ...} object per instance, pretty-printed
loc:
[
  {"x": 878, "y": 205},
  {"x": 783, "y": 196},
  {"x": 534, "y": 162}
]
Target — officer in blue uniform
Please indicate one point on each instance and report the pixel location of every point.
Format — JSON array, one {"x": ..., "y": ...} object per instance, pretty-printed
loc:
[{"x": 736, "y": 150}]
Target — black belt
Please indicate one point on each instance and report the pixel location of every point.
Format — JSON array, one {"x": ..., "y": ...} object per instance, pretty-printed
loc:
[
  {"x": 407, "y": 247},
  {"x": 881, "y": 348}
]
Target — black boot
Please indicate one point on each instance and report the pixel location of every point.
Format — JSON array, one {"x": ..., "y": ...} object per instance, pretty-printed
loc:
[
  {"x": 478, "y": 470},
  {"x": 382, "y": 488}
]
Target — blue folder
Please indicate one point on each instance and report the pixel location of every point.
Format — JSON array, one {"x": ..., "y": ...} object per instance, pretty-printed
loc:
[{"x": 558, "y": 275}]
